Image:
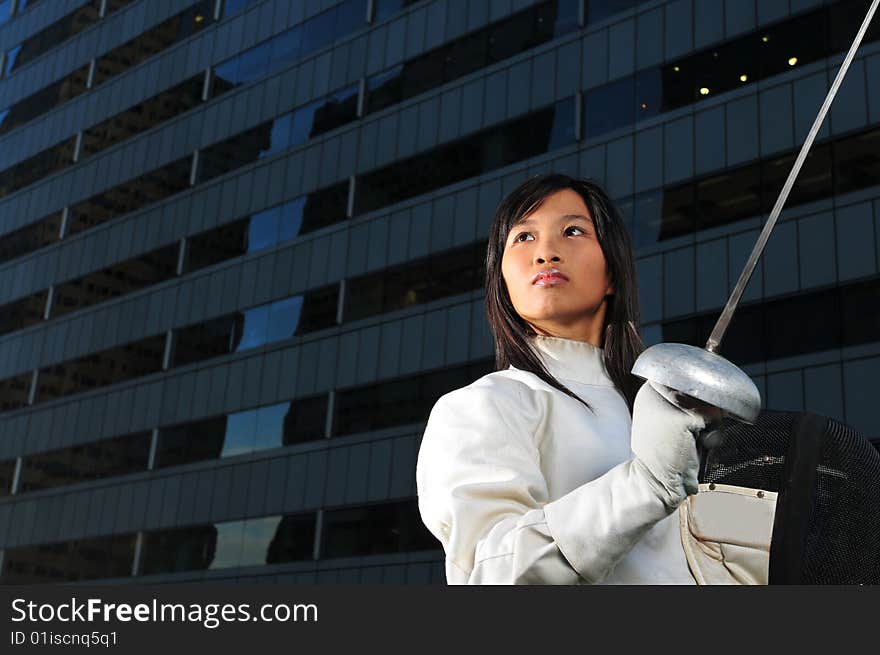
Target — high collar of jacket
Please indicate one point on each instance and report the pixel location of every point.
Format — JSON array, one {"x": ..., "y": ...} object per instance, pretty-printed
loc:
[{"x": 570, "y": 359}]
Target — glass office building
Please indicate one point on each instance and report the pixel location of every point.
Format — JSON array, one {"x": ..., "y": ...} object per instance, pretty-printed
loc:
[{"x": 241, "y": 245}]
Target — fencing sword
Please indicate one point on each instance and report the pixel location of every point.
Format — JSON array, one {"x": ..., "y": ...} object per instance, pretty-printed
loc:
[{"x": 702, "y": 373}]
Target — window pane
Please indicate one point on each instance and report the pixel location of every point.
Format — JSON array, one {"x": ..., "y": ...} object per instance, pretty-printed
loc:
[
  {"x": 319, "y": 309},
  {"x": 293, "y": 540},
  {"x": 231, "y": 7},
  {"x": 30, "y": 237},
  {"x": 857, "y": 162},
  {"x": 263, "y": 230},
  {"x": 725, "y": 198},
  {"x": 284, "y": 316},
  {"x": 205, "y": 340},
  {"x": 285, "y": 49},
  {"x": 101, "y": 369},
  {"x": 384, "y": 89},
  {"x": 240, "y": 435},
  {"x": 255, "y": 328},
  {"x": 7, "y": 471},
  {"x": 85, "y": 559},
  {"x": 350, "y": 16},
  {"x": 291, "y": 218},
  {"x": 305, "y": 420},
  {"x": 257, "y": 537},
  {"x": 181, "y": 549},
  {"x": 22, "y": 313},
  {"x": 91, "y": 461},
  {"x": 217, "y": 245},
  {"x": 385, "y": 528},
  {"x": 14, "y": 392},
  {"x": 5, "y": 10},
  {"x": 318, "y": 31},
  {"x": 601, "y": 9},
  {"x": 610, "y": 107},
  {"x": 254, "y": 63},
  {"x": 228, "y": 546},
  {"x": 191, "y": 442},
  {"x": 270, "y": 426}
]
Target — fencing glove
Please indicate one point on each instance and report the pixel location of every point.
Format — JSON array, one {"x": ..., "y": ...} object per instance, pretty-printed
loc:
[{"x": 664, "y": 442}]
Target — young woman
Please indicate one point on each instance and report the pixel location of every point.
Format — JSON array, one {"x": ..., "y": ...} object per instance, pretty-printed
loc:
[{"x": 559, "y": 468}]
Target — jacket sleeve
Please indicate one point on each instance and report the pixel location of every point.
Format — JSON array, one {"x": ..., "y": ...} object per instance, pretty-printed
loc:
[{"x": 482, "y": 493}]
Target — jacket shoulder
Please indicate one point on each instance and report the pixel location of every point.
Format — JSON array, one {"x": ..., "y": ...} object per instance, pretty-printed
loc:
[{"x": 498, "y": 400}]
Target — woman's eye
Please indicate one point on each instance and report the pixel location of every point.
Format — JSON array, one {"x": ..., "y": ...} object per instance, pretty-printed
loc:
[
  {"x": 521, "y": 234},
  {"x": 574, "y": 227}
]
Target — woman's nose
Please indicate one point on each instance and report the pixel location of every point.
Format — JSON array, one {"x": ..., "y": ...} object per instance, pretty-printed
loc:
[{"x": 545, "y": 258}]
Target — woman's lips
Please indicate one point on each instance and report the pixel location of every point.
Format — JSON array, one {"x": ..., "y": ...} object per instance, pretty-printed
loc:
[{"x": 549, "y": 281}]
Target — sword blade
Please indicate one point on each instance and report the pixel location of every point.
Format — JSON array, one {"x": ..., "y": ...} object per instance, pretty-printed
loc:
[{"x": 714, "y": 342}]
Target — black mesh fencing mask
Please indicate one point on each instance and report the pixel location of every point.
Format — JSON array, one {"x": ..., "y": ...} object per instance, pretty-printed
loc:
[{"x": 826, "y": 528}]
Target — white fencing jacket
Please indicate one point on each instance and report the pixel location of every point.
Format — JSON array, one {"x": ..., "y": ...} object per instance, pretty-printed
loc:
[{"x": 523, "y": 485}]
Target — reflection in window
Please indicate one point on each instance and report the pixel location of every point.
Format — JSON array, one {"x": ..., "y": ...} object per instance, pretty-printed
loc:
[
  {"x": 609, "y": 107},
  {"x": 5, "y": 10},
  {"x": 107, "y": 66},
  {"x": 276, "y": 53},
  {"x": 31, "y": 237},
  {"x": 375, "y": 530},
  {"x": 723, "y": 198},
  {"x": 531, "y": 135},
  {"x": 101, "y": 369},
  {"x": 252, "y": 430},
  {"x": 267, "y": 228},
  {"x": 857, "y": 162},
  {"x": 511, "y": 36},
  {"x": 279, "y": 134},
  {"x": 285, "y": 318},
  {"x": 22, "y": 313},
  {"x": 37, "y": 167},
  {"x": 400, "y": 402},
  {"x": 252, "y": 542},
  {"x": 180, "y": 549},
  {"x": 173, "y": 30},
  {"x": 115, "y": 5},
  {"x": 231, "y": 7},
  {"x": 84, "y": 559},
  {"x": 648, "y": 218},
  {"x": 205, "y": 340},
  {"x": 254, "y": 329},
  {"x": 26, "y": 4},
  {"x": 724, "y": 67},
  {"x": 257, "y": 326},
  {"x": 810, "y": 322},
  {"x": 14, "y": 392},
  {"x": 601, "y": 9},
  {"x": 52, "y": 36},
  {"x": 430, "y": 278},
  {"x": 130, "y": 196},
  {"x": 142, "y": 117},
  {"x": 7, "y": 472},
  {"x": 852, "y": 162},
  {"x": 237, "y": 151},
  {"x": 47, "y": 98},
  {"x": 90, "y": 461},
  {"x": 383, "y": 9},
  {"x": 814, "y": 180},
  {"x": 116, "y": 280}
]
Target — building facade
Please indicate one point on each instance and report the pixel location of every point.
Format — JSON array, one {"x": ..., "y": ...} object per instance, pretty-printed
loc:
[{"x": 241, "y": 248}]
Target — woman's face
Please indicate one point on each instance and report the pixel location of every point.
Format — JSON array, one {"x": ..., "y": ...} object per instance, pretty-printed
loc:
[{"x": 558, "y": 235}]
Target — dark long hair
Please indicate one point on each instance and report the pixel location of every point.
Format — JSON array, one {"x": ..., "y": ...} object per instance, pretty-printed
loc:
[{"x": 622, "y": 343}]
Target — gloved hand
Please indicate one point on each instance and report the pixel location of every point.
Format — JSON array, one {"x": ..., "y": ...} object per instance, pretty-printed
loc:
[{"x": 663, "y": 440}]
